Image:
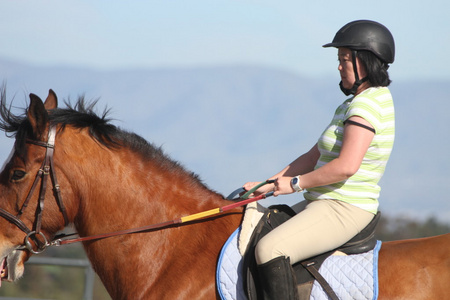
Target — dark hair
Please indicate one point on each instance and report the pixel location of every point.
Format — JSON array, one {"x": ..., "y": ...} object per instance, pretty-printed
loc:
[{"x": 377, "y": 70}]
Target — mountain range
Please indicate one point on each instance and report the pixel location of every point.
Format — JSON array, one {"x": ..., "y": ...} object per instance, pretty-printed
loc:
[{"x": 238, "y": 123}]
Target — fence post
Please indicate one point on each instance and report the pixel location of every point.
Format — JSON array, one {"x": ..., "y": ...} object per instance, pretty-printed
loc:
[{"x": 89, "y": 283}]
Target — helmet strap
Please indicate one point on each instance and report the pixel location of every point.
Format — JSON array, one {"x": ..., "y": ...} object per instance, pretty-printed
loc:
[{"x": 358, "y": 81}]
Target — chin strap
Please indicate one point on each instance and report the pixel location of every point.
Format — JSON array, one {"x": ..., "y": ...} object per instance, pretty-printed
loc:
[{"x": 358, "y": 81}]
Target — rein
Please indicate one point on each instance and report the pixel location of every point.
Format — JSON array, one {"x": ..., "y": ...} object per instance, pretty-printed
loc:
[
  {"x": 47, "y": 169},
  {"x": 189, "y": 218}
]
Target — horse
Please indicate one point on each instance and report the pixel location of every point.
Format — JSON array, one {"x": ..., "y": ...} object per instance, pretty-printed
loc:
[{"x": 106, "y": 179}]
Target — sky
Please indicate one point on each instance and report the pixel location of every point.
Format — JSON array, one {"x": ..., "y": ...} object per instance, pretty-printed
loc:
[
  {"x": 110, "y": 34},
  {"x": 288, "y": 35}
]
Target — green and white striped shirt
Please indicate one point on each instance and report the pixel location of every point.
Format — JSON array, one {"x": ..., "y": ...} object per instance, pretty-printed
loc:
[{"x": 362, "y": 190}]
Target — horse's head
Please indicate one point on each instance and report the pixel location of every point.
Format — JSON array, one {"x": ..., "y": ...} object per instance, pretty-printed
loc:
[
  {"x": 23, "y": 182},
  {"x": 101, "y": 179}
]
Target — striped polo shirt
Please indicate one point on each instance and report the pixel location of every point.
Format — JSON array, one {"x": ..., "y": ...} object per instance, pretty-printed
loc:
[{"x": 362, "y": 190}]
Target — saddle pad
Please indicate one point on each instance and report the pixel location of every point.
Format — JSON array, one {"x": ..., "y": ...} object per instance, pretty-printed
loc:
[
  {"x": 229, "y": 274},
  {"x": 350, "y": 277}
]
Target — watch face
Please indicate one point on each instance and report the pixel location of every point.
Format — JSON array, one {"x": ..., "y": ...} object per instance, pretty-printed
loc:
[{"x": 294, "y": 180}]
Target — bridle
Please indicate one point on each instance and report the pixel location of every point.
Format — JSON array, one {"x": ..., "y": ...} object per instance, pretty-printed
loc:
[{"x": 47, "y": 170}]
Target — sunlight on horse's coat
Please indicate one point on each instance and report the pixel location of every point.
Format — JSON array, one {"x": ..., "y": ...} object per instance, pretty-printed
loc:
[{"x": 114, "y": 180}]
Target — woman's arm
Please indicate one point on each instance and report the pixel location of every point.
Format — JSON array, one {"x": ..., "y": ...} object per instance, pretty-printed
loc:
[
  {"x": 302, "y": 165},
  {"x": 356, "y": 142}
]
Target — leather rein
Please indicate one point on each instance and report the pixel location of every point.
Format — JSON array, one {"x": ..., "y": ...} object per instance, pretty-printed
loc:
[{"x": 47, "y": 170}]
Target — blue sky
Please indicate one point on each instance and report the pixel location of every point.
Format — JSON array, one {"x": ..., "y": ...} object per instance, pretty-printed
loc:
[
  {"x": 112, "y": 35},
  {"x": 284, "y": 34}
]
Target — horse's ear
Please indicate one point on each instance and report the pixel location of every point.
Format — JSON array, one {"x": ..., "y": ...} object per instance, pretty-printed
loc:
[
  {"x": 38, "y": 116},
  {"x": 52, "y": 101}
]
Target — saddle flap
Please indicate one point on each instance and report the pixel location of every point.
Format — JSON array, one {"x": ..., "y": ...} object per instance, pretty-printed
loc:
[{"x": 272, "y": 218}]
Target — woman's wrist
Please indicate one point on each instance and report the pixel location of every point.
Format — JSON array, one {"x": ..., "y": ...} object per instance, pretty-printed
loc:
[{"x": 295, "y": 184}]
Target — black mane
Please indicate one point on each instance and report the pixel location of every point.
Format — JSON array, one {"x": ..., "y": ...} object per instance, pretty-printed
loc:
[{"x": 82, "y": 115}]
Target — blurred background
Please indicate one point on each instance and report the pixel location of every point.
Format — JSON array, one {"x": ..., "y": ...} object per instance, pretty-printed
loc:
[{"x": 236, "y": 90}]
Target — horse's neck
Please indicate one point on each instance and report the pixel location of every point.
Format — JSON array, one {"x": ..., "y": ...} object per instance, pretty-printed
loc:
[
  {"x": 153, "y": 261},
  {"x": 120, "y": 188},
  {"x": 122, "y": 196}
]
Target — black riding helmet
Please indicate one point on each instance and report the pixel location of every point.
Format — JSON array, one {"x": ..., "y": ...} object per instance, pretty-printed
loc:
[{"x": 364, "y": 35}]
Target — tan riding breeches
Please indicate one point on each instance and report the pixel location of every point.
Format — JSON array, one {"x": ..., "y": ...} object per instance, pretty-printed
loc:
[{"x": 320, "y": 226}]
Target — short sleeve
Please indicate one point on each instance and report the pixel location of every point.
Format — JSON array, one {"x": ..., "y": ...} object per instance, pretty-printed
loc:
[{"x": 367, "y": 108}]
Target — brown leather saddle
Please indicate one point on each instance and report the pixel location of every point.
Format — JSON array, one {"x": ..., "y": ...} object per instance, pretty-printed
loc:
[{"x": 306, "y": 272}]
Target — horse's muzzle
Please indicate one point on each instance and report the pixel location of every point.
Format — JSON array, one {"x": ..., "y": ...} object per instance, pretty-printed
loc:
[{"x": 11, "y": 266}]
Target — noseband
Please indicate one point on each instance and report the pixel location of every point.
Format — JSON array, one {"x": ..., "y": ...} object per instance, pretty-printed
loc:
[{"x": 47, "y": 169}]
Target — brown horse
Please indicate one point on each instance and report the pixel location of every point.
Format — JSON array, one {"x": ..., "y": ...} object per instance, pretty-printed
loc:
[{"x": 110, "y": 180}]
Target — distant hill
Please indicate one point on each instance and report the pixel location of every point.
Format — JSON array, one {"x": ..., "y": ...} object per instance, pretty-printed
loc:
[{"x": 232, "y": 124}]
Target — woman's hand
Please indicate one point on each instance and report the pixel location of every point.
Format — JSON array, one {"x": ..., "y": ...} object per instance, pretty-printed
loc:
[
  {"x": 282, "y": 186},
  {"x": 262, "y": 190}
]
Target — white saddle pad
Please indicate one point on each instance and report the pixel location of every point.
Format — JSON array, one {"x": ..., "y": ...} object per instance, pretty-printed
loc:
[
  {"x": 351, "y": 277},
  {"x": 229, "y": 274}
]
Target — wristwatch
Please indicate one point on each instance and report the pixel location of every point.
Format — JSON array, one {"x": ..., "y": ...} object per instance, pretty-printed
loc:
[{"x": 295, "y": 184}]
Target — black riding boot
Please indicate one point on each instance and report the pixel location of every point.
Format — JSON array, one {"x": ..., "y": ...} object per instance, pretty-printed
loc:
[{"x": 278, "y": 279}]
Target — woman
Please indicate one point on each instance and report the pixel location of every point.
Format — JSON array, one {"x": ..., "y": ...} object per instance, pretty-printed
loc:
[{"x": 340, "y": 173}]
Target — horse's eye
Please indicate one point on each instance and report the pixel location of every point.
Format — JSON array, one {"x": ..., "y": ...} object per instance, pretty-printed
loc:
[{"x": 18, "y": 175}]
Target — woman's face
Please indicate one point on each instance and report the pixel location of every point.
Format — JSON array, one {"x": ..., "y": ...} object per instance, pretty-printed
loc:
[{"x": 346, "y": 68}]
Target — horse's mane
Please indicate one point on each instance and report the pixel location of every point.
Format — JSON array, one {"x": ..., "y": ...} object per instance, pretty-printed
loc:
[{"x": 82, "y": 115}]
